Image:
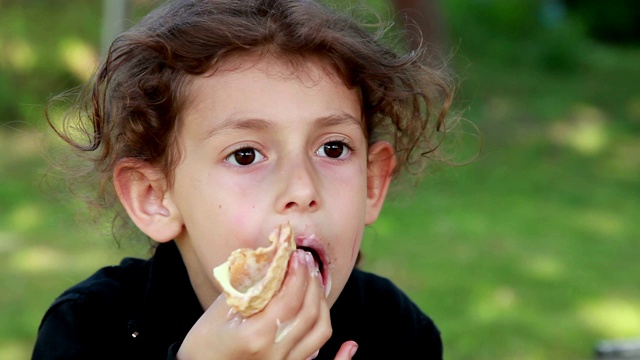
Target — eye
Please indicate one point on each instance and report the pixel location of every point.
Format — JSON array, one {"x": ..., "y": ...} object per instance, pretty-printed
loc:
[
  {"x": 244, "y": 157},
  {"x": 334, "y": 150}
]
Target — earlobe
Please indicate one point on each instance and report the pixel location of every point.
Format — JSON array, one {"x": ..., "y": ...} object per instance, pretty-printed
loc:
[
  {"x": 381, "y": 164},
  {"x": 141, "y": 188}
]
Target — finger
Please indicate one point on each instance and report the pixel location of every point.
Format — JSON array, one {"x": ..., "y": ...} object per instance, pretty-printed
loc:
[
  {"x": 314, "y": 321},
  {"x": 213, "y": 324},
  {"x": 279, "y": 317},
  {"x": 314, "y": 355},
  {"x": 347, "y": 350},
  {"x": 257, "y": 332},
  {"x": 315, "y": 338},
  {"x": 290, "y": 298}
]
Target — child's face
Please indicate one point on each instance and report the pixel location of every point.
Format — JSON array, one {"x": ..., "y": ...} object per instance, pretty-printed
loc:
[{"x": 264, "y": 145}]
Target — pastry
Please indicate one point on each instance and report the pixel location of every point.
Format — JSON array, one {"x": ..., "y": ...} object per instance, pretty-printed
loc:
[{"x": 250, "y": 277}]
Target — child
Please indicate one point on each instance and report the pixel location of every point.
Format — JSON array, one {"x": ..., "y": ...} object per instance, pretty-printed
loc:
[{"x": 214, "y": 121}]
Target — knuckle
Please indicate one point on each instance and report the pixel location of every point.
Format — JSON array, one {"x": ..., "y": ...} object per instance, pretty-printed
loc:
[
  {"x": 312, "y": 313},
  {"x": 326, "y": 332}
]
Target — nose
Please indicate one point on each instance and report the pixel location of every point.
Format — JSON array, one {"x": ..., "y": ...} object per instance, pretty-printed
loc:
[{"x": 298, "y": 189}]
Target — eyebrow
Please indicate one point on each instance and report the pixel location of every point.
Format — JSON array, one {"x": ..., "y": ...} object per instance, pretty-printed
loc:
[
  {"x": 239, "y": 124},
  {"x": 235, "y": 124},
  {"x": 339, "y": 119}
]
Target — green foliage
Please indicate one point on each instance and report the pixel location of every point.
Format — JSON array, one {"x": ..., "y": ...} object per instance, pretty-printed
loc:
[
  {"x": 559, "y": 49},
  {"x": 609, "y": 21},
  {"x": 517, "y": 32}
]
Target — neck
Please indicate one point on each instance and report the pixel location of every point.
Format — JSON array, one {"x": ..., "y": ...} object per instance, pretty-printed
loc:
[{"x": 202, "y": 284}]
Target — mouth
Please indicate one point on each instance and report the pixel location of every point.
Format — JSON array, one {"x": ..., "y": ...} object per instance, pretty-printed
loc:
[
  {"x": 312, "y": 246},
  {"x": 316, "y": 257}
]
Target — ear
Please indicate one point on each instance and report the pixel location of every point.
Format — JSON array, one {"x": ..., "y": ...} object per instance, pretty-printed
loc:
[
  {"x": 381, "y": 163},
  {"x": 141, "y": 188}
]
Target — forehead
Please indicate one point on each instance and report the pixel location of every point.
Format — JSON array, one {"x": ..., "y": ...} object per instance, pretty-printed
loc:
[
  {"x": 308, "y": 71},
  {"x": 270, "y": 87}
]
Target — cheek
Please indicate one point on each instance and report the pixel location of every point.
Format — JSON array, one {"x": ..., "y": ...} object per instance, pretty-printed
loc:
[
  {"x": 238, "y": 203},
  {"x": 351, "y": 179}
]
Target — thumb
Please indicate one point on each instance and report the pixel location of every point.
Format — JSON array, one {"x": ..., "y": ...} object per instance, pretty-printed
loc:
[{"x": 347, "y": 350}]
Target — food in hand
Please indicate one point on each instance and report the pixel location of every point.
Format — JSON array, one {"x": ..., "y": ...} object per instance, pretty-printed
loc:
[{"x": 251, "y": 277}]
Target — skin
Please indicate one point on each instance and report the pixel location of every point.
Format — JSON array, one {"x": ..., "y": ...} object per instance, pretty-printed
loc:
[{"x": 263, "y": 144}]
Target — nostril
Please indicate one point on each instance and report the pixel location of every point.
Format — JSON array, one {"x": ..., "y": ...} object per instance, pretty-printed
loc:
[{"x": 293, "y": 204}]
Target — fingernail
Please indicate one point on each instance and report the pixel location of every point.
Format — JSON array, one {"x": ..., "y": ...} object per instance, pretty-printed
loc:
[
  {"x": 310, "y": 262},
  {"x": 296, "y": 260},
  {"x": 354, "y": 348},
  {"x": 314, "y": 355}
]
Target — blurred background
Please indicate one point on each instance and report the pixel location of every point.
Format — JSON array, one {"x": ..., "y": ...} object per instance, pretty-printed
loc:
[{"x": 531, "y": 251}]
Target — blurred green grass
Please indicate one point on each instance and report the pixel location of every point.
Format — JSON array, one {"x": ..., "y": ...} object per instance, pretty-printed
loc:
[{"x": 529, "y": 252}]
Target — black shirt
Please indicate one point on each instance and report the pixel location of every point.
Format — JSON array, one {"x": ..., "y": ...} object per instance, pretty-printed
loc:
[{"x": 143, "y": 309}]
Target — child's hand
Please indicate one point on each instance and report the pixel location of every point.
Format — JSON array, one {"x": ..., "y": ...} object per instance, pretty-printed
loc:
[{"x": 294, "y": 325}]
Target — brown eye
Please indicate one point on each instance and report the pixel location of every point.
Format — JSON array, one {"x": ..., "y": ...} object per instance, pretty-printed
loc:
[
  {"x": 334, "y": 150},
  {"x": 244, "y": 157}
]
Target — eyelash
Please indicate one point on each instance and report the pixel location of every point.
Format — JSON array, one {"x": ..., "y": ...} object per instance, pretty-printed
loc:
[
  {"x": 349, "y": 148},
  {"x": 232, "y": 158}
]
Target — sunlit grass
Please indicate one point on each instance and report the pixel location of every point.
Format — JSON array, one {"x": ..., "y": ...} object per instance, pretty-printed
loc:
[
  {"x": 530, "y": 252},
  {"x": 545, "y": 267},
  {"x": 15, "y": 350},
  {"x": 612, "y": 317},
  {"x": 584, "y": 130},
  {"x": 25, "y": 217}
]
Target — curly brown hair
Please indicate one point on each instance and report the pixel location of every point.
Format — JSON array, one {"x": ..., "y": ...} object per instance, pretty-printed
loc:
[{"x": 133, "y": 105}]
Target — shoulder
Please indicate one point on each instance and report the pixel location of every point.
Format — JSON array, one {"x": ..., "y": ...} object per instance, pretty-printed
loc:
[
  {"x": 362, "y": 283},
  {"x": 113, "y": 285},
  {"x": 376, "y": 294},
  {"x": 384, "y": 317},
  {"x": 93, "y": 309}
]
